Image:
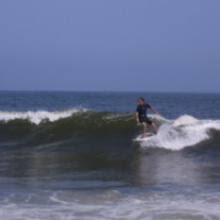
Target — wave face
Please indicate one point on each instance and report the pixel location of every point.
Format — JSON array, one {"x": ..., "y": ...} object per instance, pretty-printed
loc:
[
  {"x": 81, "y": 126},
  {"x": 76, "y": 126}
]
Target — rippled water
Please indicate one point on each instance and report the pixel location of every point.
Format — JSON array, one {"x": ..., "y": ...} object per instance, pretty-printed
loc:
[{"x": 79, "y": 156}]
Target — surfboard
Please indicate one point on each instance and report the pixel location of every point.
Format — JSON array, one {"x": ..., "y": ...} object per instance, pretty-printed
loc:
[
  {"x": 147, "y": 134},
  {"x": 144, "y": 136}
]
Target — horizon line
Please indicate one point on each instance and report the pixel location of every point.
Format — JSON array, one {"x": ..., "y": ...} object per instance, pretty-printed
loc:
[{"x": 110, "y": 91}]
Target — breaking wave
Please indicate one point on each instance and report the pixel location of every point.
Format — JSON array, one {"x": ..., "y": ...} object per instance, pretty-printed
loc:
[
  {"x": 37, "y": 117},
  {"x": 183, "y": 132},
  {"x": 81, "y": 126}
]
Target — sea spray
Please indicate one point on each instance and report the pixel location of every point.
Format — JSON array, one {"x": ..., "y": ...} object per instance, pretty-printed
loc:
[{"x": 183, "y": 132}]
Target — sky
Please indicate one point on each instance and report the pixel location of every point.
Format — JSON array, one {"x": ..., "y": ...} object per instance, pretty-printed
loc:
[{"x": 110, "y": 45}]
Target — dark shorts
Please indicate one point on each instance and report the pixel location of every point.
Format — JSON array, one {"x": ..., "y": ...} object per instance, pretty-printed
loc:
[{"x": 146, "y": 119}]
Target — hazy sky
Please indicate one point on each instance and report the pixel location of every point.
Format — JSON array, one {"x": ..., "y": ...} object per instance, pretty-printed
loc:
[{"x": 157, "y": 45}]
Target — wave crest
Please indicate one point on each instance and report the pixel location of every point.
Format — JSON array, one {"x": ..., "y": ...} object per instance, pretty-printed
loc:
[{"x": 36, "y": 117}]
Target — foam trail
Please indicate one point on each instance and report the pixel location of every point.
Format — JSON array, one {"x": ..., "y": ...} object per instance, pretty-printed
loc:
[
  {"x": 37, "y": 117},
  {"x": 183, "y": 132}
]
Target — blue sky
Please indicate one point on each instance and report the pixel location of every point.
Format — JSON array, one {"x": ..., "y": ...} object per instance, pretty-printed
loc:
[{"x": 150, "y": 45}]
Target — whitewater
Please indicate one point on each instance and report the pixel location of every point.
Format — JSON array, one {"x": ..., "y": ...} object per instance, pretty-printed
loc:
[
  {"x": 183, "y": 132},
  {"x": 37, "y": 117}
]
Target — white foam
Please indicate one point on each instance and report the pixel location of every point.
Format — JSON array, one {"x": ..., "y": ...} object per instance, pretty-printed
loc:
[
  {"x": 183, "y": 132},
  {"x": 136, "y": 207},
  {"x": 37, "y": 117},
  {"x": 185, "y": 120}
]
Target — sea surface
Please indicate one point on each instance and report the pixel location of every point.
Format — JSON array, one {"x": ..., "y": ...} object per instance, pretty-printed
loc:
[{"x": 79, "y": 155}]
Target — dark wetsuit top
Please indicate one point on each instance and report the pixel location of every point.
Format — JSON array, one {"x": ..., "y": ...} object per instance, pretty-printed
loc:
[{"x": 142, "y": 113}]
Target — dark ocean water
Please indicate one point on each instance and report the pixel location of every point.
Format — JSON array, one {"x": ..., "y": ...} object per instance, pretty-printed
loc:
[{"x": 79, "y": 155}]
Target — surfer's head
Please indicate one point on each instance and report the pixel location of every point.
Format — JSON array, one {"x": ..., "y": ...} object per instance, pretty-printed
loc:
[{"x": 141, "y": 101}]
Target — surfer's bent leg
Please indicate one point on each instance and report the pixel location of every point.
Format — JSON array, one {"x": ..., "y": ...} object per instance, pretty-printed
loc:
[
  {"x": 152, "y": 124},
  {"x": 145, "y": 127},
  {"x": 154, "y": 127}
]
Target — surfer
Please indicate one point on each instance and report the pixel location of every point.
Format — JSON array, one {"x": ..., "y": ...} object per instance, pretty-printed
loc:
[{"x": 141, "y": 115}]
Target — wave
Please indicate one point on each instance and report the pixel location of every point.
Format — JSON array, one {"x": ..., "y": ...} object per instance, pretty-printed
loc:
[
  {"x": 81, "y": 127},
  {"x": 181, "y": 133},
  {"x": 76, "y": 126},
  {"x": 37, "y": 117}
]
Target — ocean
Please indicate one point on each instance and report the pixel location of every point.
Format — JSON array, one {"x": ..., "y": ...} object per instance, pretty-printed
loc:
[{"x": 78, "y": 155}]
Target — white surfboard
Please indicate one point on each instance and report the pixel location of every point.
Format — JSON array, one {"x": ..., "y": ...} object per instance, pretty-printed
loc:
[{"x": 144, "y": 136}]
